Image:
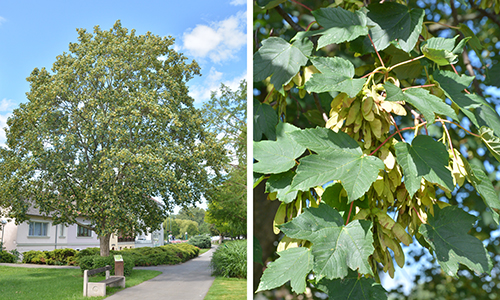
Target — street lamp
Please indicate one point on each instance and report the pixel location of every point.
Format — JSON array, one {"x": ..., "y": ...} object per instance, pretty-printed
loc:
[{"x": 3, "y": 229}]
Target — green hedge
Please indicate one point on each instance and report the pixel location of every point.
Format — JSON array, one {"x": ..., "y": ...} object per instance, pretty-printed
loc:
[
  {"x": 64, "y": 256},
  {"x": 230, "y": 260},
  {"x": 201, "y": 241},
  {"x": 163, "y": 255},
  {"x": 89, "y": 262},
  {"x": 6, "y": 257},
  {"x": 144, "y": 256}
]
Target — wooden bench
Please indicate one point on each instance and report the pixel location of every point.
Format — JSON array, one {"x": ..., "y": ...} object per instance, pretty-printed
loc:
[{"x": 92, "y": 289}]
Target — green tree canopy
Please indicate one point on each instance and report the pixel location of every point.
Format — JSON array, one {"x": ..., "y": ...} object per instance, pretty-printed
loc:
[
  {"x": 227, "y": 203},
  {"x": 108, "y": 129}
]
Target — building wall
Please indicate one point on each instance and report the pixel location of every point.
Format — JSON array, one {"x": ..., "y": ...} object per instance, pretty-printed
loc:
[
  {"x": 59, "y": 236},
  {"x": 66, "y": 237},
  {"x": 9, "y": 235}
]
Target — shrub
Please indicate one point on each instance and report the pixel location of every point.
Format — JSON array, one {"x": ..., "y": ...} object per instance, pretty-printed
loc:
[
  {"x": 88, "y": 252},
  {"x": 6, "y": 257},
  {"x": 201, "y": 241},
  {"x": 88, "y": 262},
  {"x": 29, "y": 255},
  {"x": 230, "y": 260},
  {"x": 16, "y": 253}
]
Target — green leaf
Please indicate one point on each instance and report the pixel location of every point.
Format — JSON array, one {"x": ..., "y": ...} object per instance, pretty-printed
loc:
[
  {"x": 491, "y": 141},
  {"x": 493, "y": 75},
  {"x": 335, "y": 247},
  {"x": 393, "y": 22},
  {"x": 339, "y": 25},
  {"x": 453, "y": 86},
  {"x": 486, "y": 115},
  {"x": 293, "y": 265},
  {"x": 428, "y": 104},
  {"x": 264, "y": 121},
  {"x": 446, "y": 233},
  {"x": 443, "y": 50},
  {"x": 281, "y": 184},
  {"x": 336, "y": 75},
  {"x": 332, "y": 197},
  {"x": 268, "y": 4},
  {"x": 277, "y": 156},
  {"x": 485, "y": 189},
  {"x": 281, "y": 60},
  {"x": 338, "y": 158},
  {"x": 474, "y": 42},
  {"x": 409, "y": 70},
  {"x": 352, "y": 287},
  {"x": 425, "y": 158}
]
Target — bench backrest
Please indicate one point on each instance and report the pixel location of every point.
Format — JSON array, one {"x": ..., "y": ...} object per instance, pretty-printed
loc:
[{"x": 99, "y": 270}]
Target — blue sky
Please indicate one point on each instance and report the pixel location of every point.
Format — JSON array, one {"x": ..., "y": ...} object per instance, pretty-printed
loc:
[{"x": 33, "y": 33}]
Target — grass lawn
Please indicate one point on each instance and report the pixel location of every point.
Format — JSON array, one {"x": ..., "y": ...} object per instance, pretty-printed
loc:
[
  {"x": 203, "y": 251},
  {"x": 54, "y": 284},
  {"x": 227, "y": 289}
]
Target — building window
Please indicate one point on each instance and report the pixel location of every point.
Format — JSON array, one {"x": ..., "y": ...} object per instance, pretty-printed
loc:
[
  {"x": 62, "y": 232},
  {"x": 38, "y": 229},
  {"x": 83, "y": 232}
]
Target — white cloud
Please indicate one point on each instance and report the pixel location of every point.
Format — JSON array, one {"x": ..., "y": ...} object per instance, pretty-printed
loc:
[
  {"x": 219, "y": 41},
  {"x": 238, "y": 2},
  {"x": 2, "y": 20},
  {"x": 202, "y": 93},
  {"x": 3, "y": 124},
  {"x": 6, "y": 105}
]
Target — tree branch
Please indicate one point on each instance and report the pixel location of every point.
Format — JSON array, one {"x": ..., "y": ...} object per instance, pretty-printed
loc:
[{"x": 288, "y": 19}]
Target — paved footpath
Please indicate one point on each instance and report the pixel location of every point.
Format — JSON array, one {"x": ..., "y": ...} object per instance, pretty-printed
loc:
[{"x": 188, "y": 281}]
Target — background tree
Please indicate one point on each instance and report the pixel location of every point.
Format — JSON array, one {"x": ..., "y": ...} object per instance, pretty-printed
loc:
[
  {"x": 309, "y": 110},
  {"x": 108, "y": 129},
  {"x": 227, "y": 203},
  {"x": 196, "y": 214}
]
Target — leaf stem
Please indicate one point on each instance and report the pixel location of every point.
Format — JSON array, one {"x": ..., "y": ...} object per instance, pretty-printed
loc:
[
  {"x": 310, "y": 25},
  {"x": 296, "y": 2},
  {"x": 418, "y": 86},
  {"x": 381, "y": 61},
  {"x": 418, "y": 215},
  {"x": 442, "y": 24},
  {"x": 393, "y": 134},
  {"x": 397, "y": 129},
  {"x": 349, "y": 215},
  {"x": 458, "y": 75},
  {"x": 405, "y": 62},
  {"x": 446, "y": 121},
  {"x": 448, "y": 136},
  {"x": 268, "y": 95}
]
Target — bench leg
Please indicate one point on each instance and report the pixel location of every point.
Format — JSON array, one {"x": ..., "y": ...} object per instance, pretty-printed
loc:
[
  {"x": 85, "y": 282},
  {"x": 96, "y": 289}
]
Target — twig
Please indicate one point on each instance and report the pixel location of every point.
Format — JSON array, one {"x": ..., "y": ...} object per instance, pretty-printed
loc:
[
  {"x": 405, "y": 62},
  {"x": 289, "y": 20},
  {"x": 396, "y": 125},
  {"x": 318, "y": 105},
  {"x": 393, "y": 134},
  {"x": 349, "y": 215},
  {"x": 381, "y": 61},
  {"x": 418, "y": 86},
  {"x": 443, "y": 120}
]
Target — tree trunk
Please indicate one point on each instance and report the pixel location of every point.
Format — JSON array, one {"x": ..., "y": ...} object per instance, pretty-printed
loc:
[
  {"x": 104, "y": 244},
  {"x": 263, "y": 216}
]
